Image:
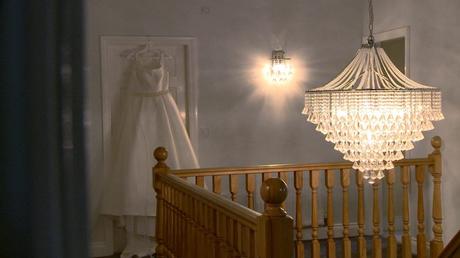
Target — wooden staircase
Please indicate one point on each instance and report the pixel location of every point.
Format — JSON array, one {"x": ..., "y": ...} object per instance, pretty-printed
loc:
[{"x": 197, "y": 220}]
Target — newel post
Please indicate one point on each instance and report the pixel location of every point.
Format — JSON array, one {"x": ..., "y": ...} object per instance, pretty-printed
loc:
[
  {"x": 160, "y": 154},
  {"x": 436, "y": 244},
  {"x": 276, "y": 237}
]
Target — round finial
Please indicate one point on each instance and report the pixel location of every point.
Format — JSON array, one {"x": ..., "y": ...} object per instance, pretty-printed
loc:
[
  {"x": 160, "y": 154},
  {"x": 436, "y": 142},
  {"x": 274, "y": 191}
]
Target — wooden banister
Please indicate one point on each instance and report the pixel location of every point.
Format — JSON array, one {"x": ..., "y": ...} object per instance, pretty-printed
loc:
[
  {"x": 193, "y": 222},
  {"x": 190, "y": 216}
]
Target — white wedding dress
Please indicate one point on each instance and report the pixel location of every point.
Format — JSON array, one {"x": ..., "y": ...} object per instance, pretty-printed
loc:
[{"x": 148, "y": 117}]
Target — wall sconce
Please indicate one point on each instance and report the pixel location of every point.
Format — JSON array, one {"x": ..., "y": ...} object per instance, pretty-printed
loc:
[{"x": 279, "y": 71}]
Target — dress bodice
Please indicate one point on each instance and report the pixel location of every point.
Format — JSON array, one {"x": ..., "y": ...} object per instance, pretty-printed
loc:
[{"x": 145, "y": 79}]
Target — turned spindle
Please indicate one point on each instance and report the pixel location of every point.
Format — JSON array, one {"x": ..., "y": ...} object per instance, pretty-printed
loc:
[{"x": 436, "y": 244}]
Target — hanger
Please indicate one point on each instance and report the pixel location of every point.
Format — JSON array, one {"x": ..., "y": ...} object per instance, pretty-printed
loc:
[{"x": 146, "y": 50}]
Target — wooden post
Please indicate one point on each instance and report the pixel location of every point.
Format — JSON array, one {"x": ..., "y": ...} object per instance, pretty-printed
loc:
[
  {"x": 160, "y": 154},
  {"x": 437, "y": 244},
  {"x": 298, "y": 184},
  {"x": 314, "y": 182},
  {"x": 406, "y": 241},
  {"x": 392, "y": 245},
  {"x": 330, "y": 214},
  {"x": 345, "y": 182},
  {"x": 362, "y": 252},
  {"x": 275, "y": 222}
]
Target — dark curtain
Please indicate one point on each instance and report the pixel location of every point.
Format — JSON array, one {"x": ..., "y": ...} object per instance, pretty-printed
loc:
[{"x": 42, "y": 187}]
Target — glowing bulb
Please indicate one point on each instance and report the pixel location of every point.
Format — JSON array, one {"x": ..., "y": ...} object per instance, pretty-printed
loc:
[{"x": 279, "y": 71}]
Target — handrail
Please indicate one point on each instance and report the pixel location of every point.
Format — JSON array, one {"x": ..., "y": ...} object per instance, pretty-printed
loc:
[
  {"x": 284, "y": 168},
  {"x": 213, "y": 200}
]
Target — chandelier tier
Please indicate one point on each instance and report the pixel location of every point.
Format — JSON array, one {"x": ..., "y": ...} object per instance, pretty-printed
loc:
[{"x": 372, "y": 112}]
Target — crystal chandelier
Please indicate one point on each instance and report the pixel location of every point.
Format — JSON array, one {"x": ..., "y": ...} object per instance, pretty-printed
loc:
[
  {"x": 279, "y": 71},
  {"x": 372, "y": 112}
]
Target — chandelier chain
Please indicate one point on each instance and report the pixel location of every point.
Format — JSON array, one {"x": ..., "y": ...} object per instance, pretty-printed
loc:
[{"x": 370, "y": 39}]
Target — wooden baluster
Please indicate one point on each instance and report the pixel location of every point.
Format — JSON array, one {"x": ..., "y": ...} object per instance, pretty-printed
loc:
[
  {"x": 330, "y": 214},
  {"x": 221, "y": 234},
  {"x": 345, "y": 182},
  {"x": 237, "y": 239},
  {"x": 186, "y": 226},
  {"x": 213, "y": 230},
  {"x": 392, "y": 246},
  {"x": 204, "y": 234},
  {"x": 285, "y": 177},
  {"x": 376, "y": 241},
  {"x": 200, "y": 181},
  {"x": 173, "y": 221},
  {"x": 195, "y": 229},
  {"x": 191, "y": 251},
  {"x": 250, "y": 188},
  {"x": 160, "y": 154},
  {"x": 252, "y": 244},
  {"x": 298, "y": 184},
  {"x": 183, "y": 225},
  {"x": 436, "y": 245},
  {"x": 167, "y": 218},
  {"x": 406, "y": 242},
  {"x": 361, "y": 240},
  {"x": 275, "y": 222},
  {"x": 245, "y": 242},
  {"x": 233, "y": 181},
  {"x": 314, "y": 182},
  {"x": 421, "y": 238},
  {"x": 230, "y": 232},
  {"x": 206, "y": 231},
  {"x": 217, "y": 184}
]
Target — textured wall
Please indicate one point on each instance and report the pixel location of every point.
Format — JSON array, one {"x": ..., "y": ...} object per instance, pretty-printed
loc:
[
  {"x": 242, "y": 120},
  {"x": 434, "y": 60}
]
